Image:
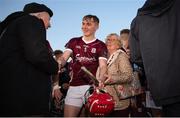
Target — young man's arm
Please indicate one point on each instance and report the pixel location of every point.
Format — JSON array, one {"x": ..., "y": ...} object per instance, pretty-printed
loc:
[
  {"x": 62, "y": 61},
  {"x": 102, "y": 69}
]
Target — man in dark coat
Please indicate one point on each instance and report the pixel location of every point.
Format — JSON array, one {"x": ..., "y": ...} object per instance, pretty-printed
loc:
[
  {"x": 26, "y": 64},
  {"x": 155, "y": 44}
]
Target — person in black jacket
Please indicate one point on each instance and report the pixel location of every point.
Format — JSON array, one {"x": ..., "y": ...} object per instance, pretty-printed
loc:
[
  {"x": 26, "y": 64},
  {"x": 155, "y": 44}
]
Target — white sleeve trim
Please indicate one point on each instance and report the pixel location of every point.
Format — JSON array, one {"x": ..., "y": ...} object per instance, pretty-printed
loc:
[
  {"x": 103, "y": 58},
  {"x": 68, "y": 49}
]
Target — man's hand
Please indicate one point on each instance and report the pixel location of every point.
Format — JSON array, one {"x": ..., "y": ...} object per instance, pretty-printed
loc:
[
  {"x": 57, "y": 95},
  {"x": 101, "y": 85}
]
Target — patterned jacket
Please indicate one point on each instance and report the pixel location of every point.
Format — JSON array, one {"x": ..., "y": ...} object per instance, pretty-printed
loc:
[{"x": 120, "y": 69}]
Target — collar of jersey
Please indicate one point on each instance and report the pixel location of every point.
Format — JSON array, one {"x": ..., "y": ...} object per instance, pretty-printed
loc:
[{"x": 87, "y": 42}]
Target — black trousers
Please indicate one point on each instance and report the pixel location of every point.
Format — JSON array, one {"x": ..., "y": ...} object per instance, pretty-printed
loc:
[{"x": 171, "y": 110}]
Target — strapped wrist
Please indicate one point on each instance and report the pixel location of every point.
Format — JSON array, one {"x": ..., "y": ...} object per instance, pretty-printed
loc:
[{"x": 56, "y": 87}]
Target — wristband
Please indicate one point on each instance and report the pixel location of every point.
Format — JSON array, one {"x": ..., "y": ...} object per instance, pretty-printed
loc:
[{"x": 56, "y": 87}]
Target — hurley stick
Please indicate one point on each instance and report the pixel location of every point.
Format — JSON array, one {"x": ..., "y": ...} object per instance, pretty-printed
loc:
[{"x": 96, "y": 82}]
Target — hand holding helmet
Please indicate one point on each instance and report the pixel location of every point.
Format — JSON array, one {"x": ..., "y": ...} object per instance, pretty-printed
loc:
[{"x": 99, "y": 102}]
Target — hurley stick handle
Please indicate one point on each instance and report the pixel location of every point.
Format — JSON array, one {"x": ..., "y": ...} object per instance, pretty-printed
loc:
[{"x": 96, "y": 82}]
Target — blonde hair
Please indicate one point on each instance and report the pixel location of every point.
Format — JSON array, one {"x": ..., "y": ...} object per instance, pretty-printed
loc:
[{"x": 116, "y": 41}]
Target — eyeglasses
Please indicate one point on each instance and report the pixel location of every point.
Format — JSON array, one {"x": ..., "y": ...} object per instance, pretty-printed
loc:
[{"x": 111, "y": 39}]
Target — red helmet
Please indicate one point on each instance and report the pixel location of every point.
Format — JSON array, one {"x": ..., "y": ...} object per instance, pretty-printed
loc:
[{"x": 100, "y": 103}]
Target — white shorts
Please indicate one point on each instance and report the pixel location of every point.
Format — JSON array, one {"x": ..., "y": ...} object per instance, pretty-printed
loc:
[{"x": 75, "y": 95}]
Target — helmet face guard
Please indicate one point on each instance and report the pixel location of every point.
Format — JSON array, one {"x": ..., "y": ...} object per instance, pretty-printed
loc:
[{"x": 99, "y": 103}]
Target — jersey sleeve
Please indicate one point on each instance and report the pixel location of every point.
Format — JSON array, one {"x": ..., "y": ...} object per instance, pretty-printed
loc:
[
  {"x": 70, "y": 45},
  {"x": 102, "y": 51}
]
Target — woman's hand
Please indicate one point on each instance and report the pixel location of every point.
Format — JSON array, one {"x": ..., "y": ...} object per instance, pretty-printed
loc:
[{"x": 109, "y": 80}]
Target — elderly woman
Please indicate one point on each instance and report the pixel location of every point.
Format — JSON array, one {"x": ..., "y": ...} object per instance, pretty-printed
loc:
[{"x": 119, "y": 75}]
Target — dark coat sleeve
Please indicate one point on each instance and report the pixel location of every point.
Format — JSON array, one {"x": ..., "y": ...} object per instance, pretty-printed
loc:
[
  {"x": 134, "y": 44},
  {"x": 32, "y": 34}
]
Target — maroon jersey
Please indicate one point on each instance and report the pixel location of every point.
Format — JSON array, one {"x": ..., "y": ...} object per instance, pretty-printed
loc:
[{"x": 85, "y": 54}]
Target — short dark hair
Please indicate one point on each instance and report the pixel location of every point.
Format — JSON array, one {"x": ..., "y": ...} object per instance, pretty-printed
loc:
[
  {"x": 124, "y": 31},
  {"x": 95, "y": 18},
  {"x": 56, "y": 52}
]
